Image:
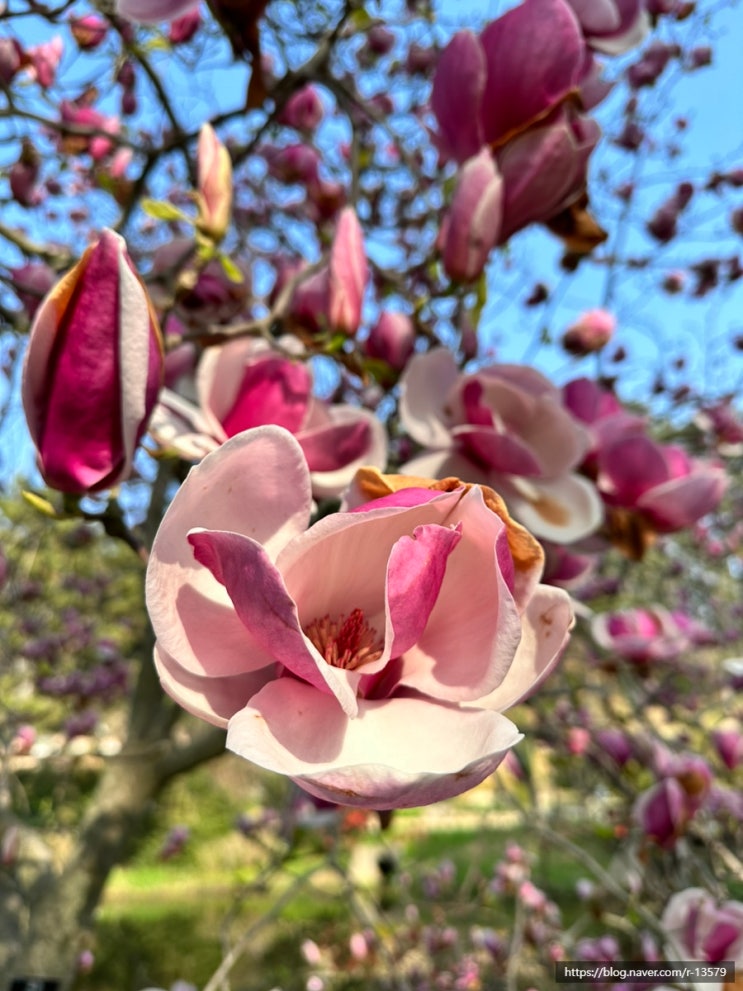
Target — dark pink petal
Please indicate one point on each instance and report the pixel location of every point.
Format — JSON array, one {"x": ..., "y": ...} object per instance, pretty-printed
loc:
[
  {"x": 679, "y": 503},
  {"x": 456, "y": 96},
  {"x": 399, "y": 752},
  {"x": 335, "y": 445},
  {"x": 630, "y": 466},
  {"x": 266, "y": 609},
  {"x": 596, "y": 16},
  {"x": 273, "y": 390},
  {"x": 496, "y": 451},
  {"x": 415, "y": 572},
  {"x": 535, "y": 58},
  {"x": 473, "y": 222}
]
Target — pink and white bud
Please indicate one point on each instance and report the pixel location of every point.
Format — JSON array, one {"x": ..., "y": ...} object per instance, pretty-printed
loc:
[
  {"x": 348, "y": 274},
  {"x": 728, "y": 743},
  {"x": 214, "y": 196},
  {"x": 89, "y": 31},
  {"x": 662, "y": 812},
  {"x": 590, "y": 333},
  {"x": 93, "y": 370},
  {"x": 472, "y": 225}
]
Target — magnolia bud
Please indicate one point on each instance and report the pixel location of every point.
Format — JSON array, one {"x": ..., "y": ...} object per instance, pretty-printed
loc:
[{"x": 93, "y": 371}]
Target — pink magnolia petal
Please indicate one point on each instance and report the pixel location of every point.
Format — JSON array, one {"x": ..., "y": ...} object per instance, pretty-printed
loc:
[
  {"x": 214, "y": 699},
  {"x": 596, "y": 15},
  {"x": 415, "y": 573},
  {"x": 630, "y": 466},
  {"x": 680, "y": 502},
  {"x": 425, "y": 386},
  {"x": 361, "y": 425},
  {"x": 266, "y": 609},
  {"x": 534, "y": 55},
  {"x": 348, "y": 274},
  {"x": 399, "y": 753},
  {"x": 563, "y": 509},
  {"x": 256, "y": 483},
  {"x": 498, "y": 452},
  {"x": 437, "y": 665},
  {"x": 335, "y": 445},
  {"x": 272, "y": 390},
  {"x": 546, "y": 628},
  {"x": 459, "y": 82},
  {"x": 340, "y": 564},
  {"x": 473, "y": 222}
]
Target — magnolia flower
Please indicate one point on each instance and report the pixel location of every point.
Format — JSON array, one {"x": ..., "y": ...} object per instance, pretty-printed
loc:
[
  {"x": 92, "y": 371},
  {"x": 245, "y": 384},
  {"x": 508, "y": 95},
  {"x": 661, "y": 482},
  {"x": 701, "y": 928},
  {"x": 369, "y": 657},
  {"x": 640, "y": 635},
  {"x": 504, "y": 426}
]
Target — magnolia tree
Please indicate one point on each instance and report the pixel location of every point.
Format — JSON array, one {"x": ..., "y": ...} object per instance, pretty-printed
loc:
[{"x": 261, "y": 254}]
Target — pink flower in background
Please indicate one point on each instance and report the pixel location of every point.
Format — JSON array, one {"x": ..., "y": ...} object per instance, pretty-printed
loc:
[
  {"x": 472, "y": 224},
  {"x": 662, "y": 812},
  {"x": 662, "y": 482},
  {"x": 492, "y": 86},
  {"x": 504, "y": 426},
  {"x": 332, "y": 299},
  {"x": 246, "y": 384},
  {"x": 368, "y": 657},
  {"x": 591, "y": 332},
  {"x": 93, "y": 370},
  {"x": 303, "y": 110},
  {"x": 392, "y": 339},
  {"x": 640, "y": 635},
  {"x": 612, "y": 26},
  {"x": 43, "y": 61},
  {"x": 89, "y": 31},
  {"x": 699, "y": 927},
  {"x": 509, "y": 93}
]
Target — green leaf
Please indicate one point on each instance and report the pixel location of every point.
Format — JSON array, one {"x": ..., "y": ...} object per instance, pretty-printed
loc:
[
  {"x": 161, "y": 210},
  {"x": 231, "y": 270},
  {"x": 40, "y": 504}
]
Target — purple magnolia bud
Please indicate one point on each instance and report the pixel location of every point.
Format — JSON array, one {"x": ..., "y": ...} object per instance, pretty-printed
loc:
[
  {"x": 472, "y": 226},
  {"x": 392, "y": 338},
  {"x": 93, "y": 371},
  {"x": 303, "y": 110},
  {"x": 662, "y": 812},
  {"x": 11, "y": 59},
  {"x": 729, "y": 745}
]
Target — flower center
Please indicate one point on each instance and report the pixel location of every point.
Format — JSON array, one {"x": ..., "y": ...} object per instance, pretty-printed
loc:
[{"x": 347, "y": 642}]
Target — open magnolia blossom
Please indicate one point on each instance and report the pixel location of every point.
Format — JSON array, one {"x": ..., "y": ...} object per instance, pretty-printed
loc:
[
  {"x": 503, "y": 426},
  {"x": 369, "y": 657},
  {"x": 247, "y": 383}
]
